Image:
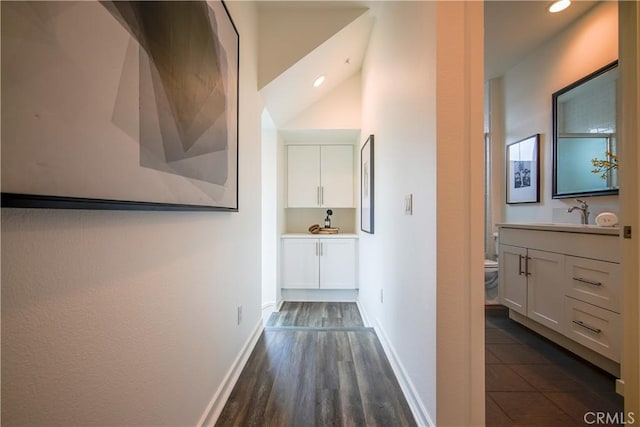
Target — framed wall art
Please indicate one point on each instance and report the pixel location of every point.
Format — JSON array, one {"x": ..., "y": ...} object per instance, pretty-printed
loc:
[
  {"x": 367, "y": 186},
  {"x": 120, "y": 105},
  {"x": 523, "y": 171}
]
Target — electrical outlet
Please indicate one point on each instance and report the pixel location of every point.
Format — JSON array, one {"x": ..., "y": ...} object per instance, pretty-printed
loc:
[
  {"x": 408, "y": 204},
  {"x": 239, "y": 314},
  {"x": 381, "y": 295}
]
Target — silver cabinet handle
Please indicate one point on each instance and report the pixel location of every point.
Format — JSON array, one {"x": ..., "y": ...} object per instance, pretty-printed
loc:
[
  {"x": 589, "y": 327},
  {"x": 321, "y": 249},
  {"x": 587, "y": 281},
  {"x": 526, "y": 266},
  {"x": 322, "y": 195},
  {"x": 519, "y": 265},
  {"x": 317, "y": 251},
  {"x": 318, "y": 195}
]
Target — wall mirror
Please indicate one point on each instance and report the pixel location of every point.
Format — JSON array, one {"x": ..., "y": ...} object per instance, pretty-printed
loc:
[{"x": 584, "y": 136}]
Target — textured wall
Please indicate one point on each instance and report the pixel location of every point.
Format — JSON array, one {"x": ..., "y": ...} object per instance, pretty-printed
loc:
[{"x": 129, "y": 318}]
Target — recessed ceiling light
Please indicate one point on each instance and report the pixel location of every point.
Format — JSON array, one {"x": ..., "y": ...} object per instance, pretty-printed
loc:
[
  {"x": 559, "y": 6},
  {"x": 317, "y": 82}
]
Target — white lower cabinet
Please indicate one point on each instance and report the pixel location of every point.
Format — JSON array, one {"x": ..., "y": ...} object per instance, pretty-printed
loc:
[
  {"x": 568, "y": 282},
  {"x": 532, "y": 284},
  {"x": 319, "y": 263}
]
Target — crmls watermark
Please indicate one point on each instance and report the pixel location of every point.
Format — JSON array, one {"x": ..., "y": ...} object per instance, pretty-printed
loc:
[{"x": 594, "y": 418}]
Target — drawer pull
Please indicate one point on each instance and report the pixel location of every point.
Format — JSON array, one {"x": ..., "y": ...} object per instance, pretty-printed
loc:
[
  {"x": 587, "y": 281},
  {"x": 589, "y": 327}
]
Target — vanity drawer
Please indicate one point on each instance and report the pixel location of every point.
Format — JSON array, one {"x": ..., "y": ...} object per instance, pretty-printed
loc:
[
  {"x": 593, "y": 327},
  {"x": 594, "y": 282}
]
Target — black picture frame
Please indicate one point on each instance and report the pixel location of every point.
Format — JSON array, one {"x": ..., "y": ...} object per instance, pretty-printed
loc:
[
  {"x": 559, "y": 185},
  {"x": 199, "y": 172},
  {"x": 523, "y": 171},
  {"x": 367, "y": 206}
]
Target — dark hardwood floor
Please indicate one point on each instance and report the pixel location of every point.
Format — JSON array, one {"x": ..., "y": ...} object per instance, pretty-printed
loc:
[
  {"x": 316, "y": 364},
  {"x": 532, "y": 381}
]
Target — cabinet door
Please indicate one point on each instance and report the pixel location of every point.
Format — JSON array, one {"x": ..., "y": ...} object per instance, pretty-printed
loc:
[
  {"x": 303, "y": 176},
  {"x": 300, "y": 263},
  {"x": 337, "y": 176},
  {"x": 545, "y": 289},
  {"x": 513, "y": 282},
  {"x": 337, "y": 263}
]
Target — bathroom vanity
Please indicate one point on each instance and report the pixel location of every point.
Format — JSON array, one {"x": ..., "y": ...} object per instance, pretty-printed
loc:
[{"x": 563, "y": 281}]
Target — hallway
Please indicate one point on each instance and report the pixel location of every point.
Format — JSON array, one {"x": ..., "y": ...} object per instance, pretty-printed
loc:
[{"x": 316, "y": 364}]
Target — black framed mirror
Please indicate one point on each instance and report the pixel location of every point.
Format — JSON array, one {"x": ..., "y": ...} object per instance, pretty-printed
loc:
[{"x": 584, "y": 136}]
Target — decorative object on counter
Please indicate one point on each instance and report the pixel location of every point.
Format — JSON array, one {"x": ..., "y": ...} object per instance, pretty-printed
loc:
[
  {"x": 316, "y": 229},
  {"x": 173, "y": 145},
  {"x": 327, "y": 220},
  {"x": 607, "y": 219},
  {"x": 523, "y": 170},
  {"x": 366, "y": 186},
  {"x": 605, "y": 167},
  {"x": 329, "y": 231}
]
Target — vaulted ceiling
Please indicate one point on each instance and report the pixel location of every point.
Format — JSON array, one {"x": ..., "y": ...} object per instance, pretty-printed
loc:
[{"x": 299, "y": 40}]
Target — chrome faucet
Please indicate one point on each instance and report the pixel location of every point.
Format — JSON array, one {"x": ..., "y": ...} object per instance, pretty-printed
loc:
[{"x": 584, "y": 210}]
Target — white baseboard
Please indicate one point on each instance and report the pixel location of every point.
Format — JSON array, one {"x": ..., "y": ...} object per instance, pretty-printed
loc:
[
  {"x": 268, "y": 308},
  {"x": 268, "y": 304},
  {"x": 363, "y": 314},
  {"x": 420, "y": 413},
  {"x": 333, "y": 295},
  {"x": 221, "y": 395}
]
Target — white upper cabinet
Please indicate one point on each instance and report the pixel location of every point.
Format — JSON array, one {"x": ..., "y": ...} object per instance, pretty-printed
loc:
[{"x": 320, "y": 176}]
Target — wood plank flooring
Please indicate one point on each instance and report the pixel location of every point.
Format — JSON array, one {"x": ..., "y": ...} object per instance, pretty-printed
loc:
[
  {"x": 318, "y": 315},
  {"x": 317, "y": 365}
]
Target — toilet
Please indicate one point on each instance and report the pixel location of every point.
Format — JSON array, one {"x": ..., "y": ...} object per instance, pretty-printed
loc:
[{"x": 491, "y": 276}]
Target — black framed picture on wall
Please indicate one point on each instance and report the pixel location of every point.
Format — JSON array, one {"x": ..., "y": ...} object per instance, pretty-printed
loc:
[
  {"x": 120, "y": 121},
  {"x": 523, "y": 170},
  {"x": 366, "y": 186}
]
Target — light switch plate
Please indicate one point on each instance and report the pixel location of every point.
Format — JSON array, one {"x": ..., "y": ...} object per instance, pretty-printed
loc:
[{"x": 408, "y": 204}]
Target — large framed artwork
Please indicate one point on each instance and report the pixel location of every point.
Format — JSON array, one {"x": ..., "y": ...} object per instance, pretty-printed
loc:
[
  {"x": 120, "y": 105},
  {"x": 366, "y": 186},
  {"x": 523, "y": 170}
]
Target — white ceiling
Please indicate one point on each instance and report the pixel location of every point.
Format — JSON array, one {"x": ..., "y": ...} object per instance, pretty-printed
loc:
[
  {"x": 512, "y": 30},
  {"x": 515, "y": 28}
]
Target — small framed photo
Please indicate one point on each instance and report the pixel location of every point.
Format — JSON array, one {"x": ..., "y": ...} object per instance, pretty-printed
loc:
[
  {"x": 366, "y": 186},
  {"x": 523, "y": 171}
]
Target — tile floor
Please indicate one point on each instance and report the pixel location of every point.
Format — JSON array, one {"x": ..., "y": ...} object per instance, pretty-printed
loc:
[{"x": 531, "y": 381}]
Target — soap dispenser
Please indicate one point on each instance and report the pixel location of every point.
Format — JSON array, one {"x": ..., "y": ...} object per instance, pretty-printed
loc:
[{"x": 327, "y": 220}]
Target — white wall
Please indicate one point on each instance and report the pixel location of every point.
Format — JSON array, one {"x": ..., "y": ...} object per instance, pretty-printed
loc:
[
  {"x": 129, "y": 318},
  {"x": 398, "y": 108},
  {"x": 270, "y": 240},
  {"x": 424, "y": 107},
  {"x": 589, "y": 44}
]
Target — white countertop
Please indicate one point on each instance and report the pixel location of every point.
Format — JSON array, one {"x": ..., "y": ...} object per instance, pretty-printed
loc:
[
  {"x": 566, "y": 228},
  {"x": 319, "y": 236}
]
